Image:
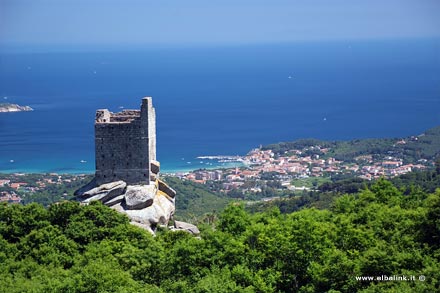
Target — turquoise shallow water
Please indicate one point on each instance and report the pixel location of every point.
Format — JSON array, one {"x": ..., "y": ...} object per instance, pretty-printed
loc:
[{"x": 216, "y": 101}]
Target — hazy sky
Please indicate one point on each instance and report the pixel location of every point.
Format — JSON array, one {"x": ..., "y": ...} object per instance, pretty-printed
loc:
[{"x": 195, "y": 22}]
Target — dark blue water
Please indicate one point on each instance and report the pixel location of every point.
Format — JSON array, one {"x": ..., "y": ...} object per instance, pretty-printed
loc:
[{"x": 212, "y": 101}]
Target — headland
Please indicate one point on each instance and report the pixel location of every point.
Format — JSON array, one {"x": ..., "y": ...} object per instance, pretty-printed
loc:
[{"x": 7, "y": 107}]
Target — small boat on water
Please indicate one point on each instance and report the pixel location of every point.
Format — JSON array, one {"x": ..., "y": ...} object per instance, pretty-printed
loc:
[{"x": 83, "y": 161}]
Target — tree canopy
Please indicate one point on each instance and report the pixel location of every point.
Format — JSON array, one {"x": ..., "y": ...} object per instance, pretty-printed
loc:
[{"x": 377, "y": 232}]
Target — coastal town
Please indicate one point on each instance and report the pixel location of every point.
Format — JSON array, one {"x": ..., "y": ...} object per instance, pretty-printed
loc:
[
  {"x": 21, "y": 187},
  {"x": 295, "y": 169},
  {"x": 260, "y": 172}
]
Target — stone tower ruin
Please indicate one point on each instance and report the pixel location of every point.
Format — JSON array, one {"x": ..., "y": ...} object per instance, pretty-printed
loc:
[
  {"x": 125, "y": 145},
  {"x": 127, "y": 173}
]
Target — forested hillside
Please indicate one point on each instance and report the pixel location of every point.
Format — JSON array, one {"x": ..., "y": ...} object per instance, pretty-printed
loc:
[
  {"x": 409, "y": 149},
  {"x": 194, "y": 199},
  {"x": 375, "y": 233}
]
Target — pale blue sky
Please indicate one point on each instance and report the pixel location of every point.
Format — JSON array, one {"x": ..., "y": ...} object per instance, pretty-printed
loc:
[{"x": 212, "y": 22}]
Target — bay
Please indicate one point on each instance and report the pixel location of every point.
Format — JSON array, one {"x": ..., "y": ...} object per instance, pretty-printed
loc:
[{"x": 216, "y": 101}]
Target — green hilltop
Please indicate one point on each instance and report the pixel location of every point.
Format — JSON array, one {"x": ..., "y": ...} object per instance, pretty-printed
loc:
[{"x": 410, "y": 149}]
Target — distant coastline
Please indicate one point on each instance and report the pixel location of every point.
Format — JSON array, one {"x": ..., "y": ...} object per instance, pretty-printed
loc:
[
  {"x": 78, "y": 168},
  {"x": 173, "y": 170},
  {"x": 195, "y": 120},
  {"x": 7, "y": 107}
]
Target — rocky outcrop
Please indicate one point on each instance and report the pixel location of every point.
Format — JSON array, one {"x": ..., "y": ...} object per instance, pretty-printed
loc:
[
  {"x": 138, "y": 197},
  {"x": 166, "y": 189},
  {"x": 183, "y": 226},
  {"x": 147, "y": 206},
  {"x": 157, "y": 214},
  {"x": 104, "y": 192}
]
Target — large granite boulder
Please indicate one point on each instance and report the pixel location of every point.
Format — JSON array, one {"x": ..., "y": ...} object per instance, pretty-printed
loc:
[
  {"x": 115, "y": 200},
  {"x": 178, "y": 225},
  {"x": 139, "y": 196},
  {"x": 104, "y": 192},
  {"x": 166, "y": 189},
  {"x": 89, "y": 186},
  {"x": 158, "y": 213}
]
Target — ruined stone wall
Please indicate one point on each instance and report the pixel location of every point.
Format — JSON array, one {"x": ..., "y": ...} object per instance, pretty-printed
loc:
[
  {"x": 149, "y": 113},
  {"x": 125, "y": 144}
]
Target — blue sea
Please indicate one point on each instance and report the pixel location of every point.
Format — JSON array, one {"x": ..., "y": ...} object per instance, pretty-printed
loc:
[{"x": 216, "y": 101}]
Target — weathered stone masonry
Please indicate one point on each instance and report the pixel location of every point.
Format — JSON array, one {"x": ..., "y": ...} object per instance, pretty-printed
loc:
[
  {"x": 125, "y": 145},
  {"x": 127, "y": 173}
]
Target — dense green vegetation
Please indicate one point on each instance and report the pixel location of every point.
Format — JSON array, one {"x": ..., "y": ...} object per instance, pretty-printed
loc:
[
  {"x": 427, "y": 181},
  {"x": 310, "y": 182},
  {"x": 54, "y": 192},
  {"x": 308, "y": 199},
  {"x": 194, "y": 200},
  {"x": 323, "y": 196},
  {"x": 424, "y": 146},
  {"x": 379, "y": 231}
]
